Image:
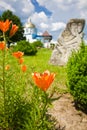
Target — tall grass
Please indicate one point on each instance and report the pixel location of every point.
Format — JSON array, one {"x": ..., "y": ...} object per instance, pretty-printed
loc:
[{"x": 40, "y": 62}]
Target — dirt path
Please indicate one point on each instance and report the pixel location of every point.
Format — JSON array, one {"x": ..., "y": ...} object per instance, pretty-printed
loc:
[{"x": 67, "y": 116}]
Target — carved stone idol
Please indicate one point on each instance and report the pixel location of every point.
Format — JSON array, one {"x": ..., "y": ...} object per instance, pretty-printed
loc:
[{"x": 69, "y": 40}]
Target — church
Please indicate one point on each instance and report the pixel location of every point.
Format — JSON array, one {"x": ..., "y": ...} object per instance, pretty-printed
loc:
[{"x": 30, "y": 32}]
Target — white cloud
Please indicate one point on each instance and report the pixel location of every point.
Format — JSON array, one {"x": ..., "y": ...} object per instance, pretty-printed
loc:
[
  {"x": 38, "y": 18},
  {"x": 44, "y": 22},
  {"x": 22, "y": 8},
  {"x": 55, "y": 4},
  {"x": 82, "y": 8},
  {"x": 57, "y": 26},
  {"x": 82, "y": 4},
  {"x": 27, "y": 6},
  {"x": 6, "y": 6},
  {"x": 43, "y": 25},
  {"x": 42, "y": 16},
  {"x": 83, "y": 14}
]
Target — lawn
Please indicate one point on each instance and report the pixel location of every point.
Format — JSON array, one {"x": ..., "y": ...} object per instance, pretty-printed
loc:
[{"x": 40, "y": 63}]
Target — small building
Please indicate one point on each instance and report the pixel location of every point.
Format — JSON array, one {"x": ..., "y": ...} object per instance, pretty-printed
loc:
[
  {"x": 30, "y": 32},
  {"x": 46, "y": 38}
]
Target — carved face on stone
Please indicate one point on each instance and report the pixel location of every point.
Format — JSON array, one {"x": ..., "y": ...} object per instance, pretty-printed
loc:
[{"x": 75, "y": 26}]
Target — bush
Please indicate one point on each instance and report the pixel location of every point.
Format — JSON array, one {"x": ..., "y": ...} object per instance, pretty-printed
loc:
[
  {"x": 52, "y": 45},
  {"x": 26, "y": 47},
  {"x": 38, "y": 44},
  {"x": 77, "y": 76}
]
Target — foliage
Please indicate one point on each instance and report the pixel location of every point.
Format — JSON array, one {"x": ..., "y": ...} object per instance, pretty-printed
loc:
[
  {"x": 52, "y": 45},
  {"x": 16, "y": 20},
  {"x": 26, "y": 47},
  {"x": 23, "y": 105},
  {"x": 38, "y": 44},
  {"x": 77, "y": 76}
]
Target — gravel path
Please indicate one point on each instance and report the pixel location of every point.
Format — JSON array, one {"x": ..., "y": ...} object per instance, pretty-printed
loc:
[{"x": 67, "y": 116}]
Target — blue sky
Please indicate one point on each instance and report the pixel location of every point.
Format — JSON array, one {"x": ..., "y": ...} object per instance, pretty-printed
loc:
[
  {"x": 50, "y": 15},
  {"x": 39, "y": 8}
]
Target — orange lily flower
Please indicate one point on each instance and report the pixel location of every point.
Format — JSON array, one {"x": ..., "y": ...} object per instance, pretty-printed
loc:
[
  {"x": 4, "y": 26},
  {"x": 18, "y": 54},
  {"x": 24, "y": 68},
  {"x": 43, "y": 80},
  {"x": 2, "y": 45},
  {"x": 13, "y": 30},
  {"x": 21, "y": 60}
]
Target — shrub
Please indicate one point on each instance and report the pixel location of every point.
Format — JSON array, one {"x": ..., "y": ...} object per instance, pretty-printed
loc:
[
  {"x": 77, "y": 76},
  {"x": 52, "y": 45},
  {"x": 38, "y": 44},
  {"x": 26, "y": 47}
]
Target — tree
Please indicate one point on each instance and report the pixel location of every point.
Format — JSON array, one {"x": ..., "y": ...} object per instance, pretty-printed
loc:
[{"x": 15, "y": 20}]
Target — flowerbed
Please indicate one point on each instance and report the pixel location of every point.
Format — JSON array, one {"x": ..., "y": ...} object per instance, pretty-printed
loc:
[{"x": 23, "y": 104}]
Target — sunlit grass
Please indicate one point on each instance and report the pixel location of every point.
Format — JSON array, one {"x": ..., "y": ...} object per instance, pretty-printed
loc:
[{"x": 40, "y": 63}]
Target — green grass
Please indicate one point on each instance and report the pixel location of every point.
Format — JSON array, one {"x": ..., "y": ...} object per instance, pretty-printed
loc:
[
  {"x": 19, "y": 96},
  {"x": 40, "y": 63}
]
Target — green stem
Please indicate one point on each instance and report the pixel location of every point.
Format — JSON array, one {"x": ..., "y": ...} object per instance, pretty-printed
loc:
[
  {"x": 4, "y": 93},
  {"x": 45, "y": 106}
]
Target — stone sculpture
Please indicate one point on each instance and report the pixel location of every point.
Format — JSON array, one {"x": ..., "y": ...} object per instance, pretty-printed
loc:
[{"x": 69, "y": 40}]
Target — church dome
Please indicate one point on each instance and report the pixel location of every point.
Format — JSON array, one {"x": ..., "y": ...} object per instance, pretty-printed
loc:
[{"x": 30, "y": 25}]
